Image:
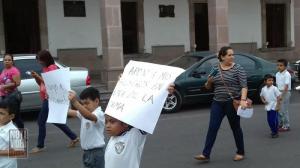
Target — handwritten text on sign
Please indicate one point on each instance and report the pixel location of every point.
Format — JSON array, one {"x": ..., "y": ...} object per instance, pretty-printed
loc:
[
  {"x": 58, "y": 84},
  {"x": 140, "y": 94}
]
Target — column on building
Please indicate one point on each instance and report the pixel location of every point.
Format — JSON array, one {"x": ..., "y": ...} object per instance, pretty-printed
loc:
[
  {"x": 111, "y": 27},
  {"x": 297, "y": 26},
  {"x": 218, "y": 24},
  {"x": 2, "y": 37},
  {"x": 43, "y": 23}
]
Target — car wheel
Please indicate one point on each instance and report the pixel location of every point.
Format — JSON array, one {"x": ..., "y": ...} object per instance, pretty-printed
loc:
[{"x": 173, "y": 103}]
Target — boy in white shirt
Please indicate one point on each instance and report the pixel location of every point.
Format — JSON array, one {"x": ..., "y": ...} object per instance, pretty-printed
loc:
[
  {"x": 283, "y": 81},
  {"x": 6, "y": 125},
  {"x": 125, "y": 146},
  {"x": 270, "y": 96},
  {"x": 126, "y": 143},
  {"x": 92, "y": 126}
]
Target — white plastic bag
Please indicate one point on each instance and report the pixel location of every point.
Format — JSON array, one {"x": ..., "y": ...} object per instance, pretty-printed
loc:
[{"x": 245, "y": 113}]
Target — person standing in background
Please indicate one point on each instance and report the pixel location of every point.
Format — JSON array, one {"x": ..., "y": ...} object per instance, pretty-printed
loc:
[
  {"x": 10, "y": 79},
  {"x": 283, "y": 81}
]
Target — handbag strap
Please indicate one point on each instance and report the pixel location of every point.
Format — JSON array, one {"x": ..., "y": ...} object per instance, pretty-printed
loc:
[{"x": 222, "y": 78}]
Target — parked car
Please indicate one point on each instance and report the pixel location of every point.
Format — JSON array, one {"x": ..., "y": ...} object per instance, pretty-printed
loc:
[
  {"x": 189, "y": 86},
  {"x": 30, "y": 90},
  {"x": 297, "y": 68}
]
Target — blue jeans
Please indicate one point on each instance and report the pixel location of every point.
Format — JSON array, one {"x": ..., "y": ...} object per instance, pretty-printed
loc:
[
  {"x": 272, "y": 116},
  {"x": 43, "y": 115},
  {"x": 93, "y": 158},
  {"x": 218, "y": 111}
]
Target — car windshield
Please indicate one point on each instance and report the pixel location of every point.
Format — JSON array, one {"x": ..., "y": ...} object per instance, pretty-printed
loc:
[{"x": 184, "y": 61}]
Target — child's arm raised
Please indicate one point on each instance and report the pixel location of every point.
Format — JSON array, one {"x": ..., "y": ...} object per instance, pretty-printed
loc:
[
  {"x": 82, "y": 110},
  {"x": 72, "y": 113}
]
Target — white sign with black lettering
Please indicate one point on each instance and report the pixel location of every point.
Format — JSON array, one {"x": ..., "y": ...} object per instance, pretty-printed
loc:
[
  {"x": 140, "y": 94},
  {"x": 58, "y": 85}
]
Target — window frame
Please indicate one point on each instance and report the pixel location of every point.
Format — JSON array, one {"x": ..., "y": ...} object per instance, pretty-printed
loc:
[
  {"x": 72, "y": 13},
  {"x": 288, "y": 27}
]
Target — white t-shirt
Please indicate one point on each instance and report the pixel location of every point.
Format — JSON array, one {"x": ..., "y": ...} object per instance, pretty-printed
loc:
[
  {"x": 5, "y": 161},
  {"x": 270, "y": 94},
  {"x": 91, "y": 133},
  {"x": 283, "y": 78},
  {"x": 125, "y": 151}
]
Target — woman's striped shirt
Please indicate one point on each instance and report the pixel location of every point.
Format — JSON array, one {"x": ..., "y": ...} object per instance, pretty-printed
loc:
[{"x": 235, "y": 79}]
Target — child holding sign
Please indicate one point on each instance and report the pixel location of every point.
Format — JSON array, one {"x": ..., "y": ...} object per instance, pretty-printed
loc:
[
  {"x": 125, "y": 146},
  {"x": 92, "y": 126}
]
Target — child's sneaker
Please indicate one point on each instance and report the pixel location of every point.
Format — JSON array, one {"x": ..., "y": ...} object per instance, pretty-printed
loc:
[
  {"x": 274, "y": 135},
  {"x": 284, "y": 129}
]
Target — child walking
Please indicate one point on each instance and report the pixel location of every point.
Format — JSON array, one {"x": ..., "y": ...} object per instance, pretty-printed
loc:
[
  {"x": 283, "y": 81},
  {"x": 92, "y": 126},
  {"x": 270, "y": 96}
]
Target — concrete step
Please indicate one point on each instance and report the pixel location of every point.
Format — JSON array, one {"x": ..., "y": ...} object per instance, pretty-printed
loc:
[{"x": 104, "y": 93}]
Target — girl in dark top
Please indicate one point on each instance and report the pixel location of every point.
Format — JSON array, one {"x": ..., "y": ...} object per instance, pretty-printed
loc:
[{"x": 235, "y": 79}]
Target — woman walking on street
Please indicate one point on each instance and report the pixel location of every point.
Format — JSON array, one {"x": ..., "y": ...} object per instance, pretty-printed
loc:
[
  {"x": 230, "y": 82},
  {"x": 46, "y": 60}
]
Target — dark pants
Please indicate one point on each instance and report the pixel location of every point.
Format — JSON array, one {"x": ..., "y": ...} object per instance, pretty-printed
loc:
[
  {"x": 18, "y": 120},
  {"x": 43, "y": 115},
  {"x": 272, "y": 116},
  {"x": 218, "y": 111},
  {"x": 93, "y": 158}
]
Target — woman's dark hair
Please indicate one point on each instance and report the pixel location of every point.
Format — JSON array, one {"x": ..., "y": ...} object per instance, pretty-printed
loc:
[
  {"x": 223, "y": 52},
  {"x": 11, "y": 56},
  {"x": 283, "y": 61},
  {"x": 45, "y": 57}
]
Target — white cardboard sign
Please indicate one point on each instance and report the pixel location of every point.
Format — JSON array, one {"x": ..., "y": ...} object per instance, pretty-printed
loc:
[
  {"x": 58, "y": 85},
  {"x": 140, "y": 94}
]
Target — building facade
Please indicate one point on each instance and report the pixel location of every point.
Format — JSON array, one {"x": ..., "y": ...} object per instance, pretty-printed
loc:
[{"x": 99, "y": 34}]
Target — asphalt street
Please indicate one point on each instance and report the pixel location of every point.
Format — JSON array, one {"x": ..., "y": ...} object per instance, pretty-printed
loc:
[{"x": 181, "y": 135}]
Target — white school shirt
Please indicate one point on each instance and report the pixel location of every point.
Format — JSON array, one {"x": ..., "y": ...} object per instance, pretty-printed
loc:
[
  {"x": 283, "y": 78},
  {"x": 125, "y": 151},
  {"x": 5, "y": 161},
  {"x": 270, "y": 94},
  {"x": 91, "y": 133}
]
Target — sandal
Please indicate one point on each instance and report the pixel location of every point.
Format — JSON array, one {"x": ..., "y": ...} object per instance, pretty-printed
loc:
[
  {"x": 73, "y": 143},
  {"x": 202, "y": 158},
  {"x": 37, "y": 150},
  {"x": 238, "y": 157}
]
